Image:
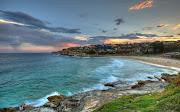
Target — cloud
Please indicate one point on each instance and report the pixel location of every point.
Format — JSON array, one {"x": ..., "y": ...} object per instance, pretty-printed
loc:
[
  {"x": 159, "y": 26},
  {"x": 15, "y": 36},
  {"x": 167, "y": 36},
  {"x": 176, "y": 27},
  {"x": 132, "y": 36},
  {"x": 27, "y": 39},
  {"x": 33, "y": 22},
  {"x": 10, "y": 22},
  {"x": 119, "y": 21},
  {"x": 142, "y": 5},
  {"x": 82, "y": 37},
  {"x": 103, "y": 31}
]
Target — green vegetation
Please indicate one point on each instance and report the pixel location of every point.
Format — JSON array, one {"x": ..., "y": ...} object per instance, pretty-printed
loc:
[{"x": 167, "y": 101}]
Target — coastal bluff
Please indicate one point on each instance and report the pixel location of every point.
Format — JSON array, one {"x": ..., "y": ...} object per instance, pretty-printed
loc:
[{"x": 92, "y": 100}]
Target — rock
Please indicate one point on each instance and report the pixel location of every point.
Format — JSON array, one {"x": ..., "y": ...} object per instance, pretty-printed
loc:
[
  {"x": 141, "y": 83},
  {"x": 150, "y": 77},
  {"x": 10, "y": 109},
  {"x": 50, "y": 105},
  {"x": 145, "y": 82},
  {"x": 110, "y": 84},
  {"x": 166, "y": 77},
  {"x": 55, "y": 98},
  {"x": 158, "y": 77},
  {"x": 136, "y": 86}
]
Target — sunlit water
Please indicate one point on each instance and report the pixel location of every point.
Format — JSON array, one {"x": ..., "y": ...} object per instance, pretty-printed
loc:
[{"x": 31, "y": 78}]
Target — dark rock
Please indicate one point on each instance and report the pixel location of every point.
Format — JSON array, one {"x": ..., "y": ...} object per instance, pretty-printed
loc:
[
  {"x": 110, "y": 84},
  {"x": 136, "y": 86},
  {"x": 141, "y": 83},
  {"x": 145, "y": 82},
  {"x": 150, "y": 77}
]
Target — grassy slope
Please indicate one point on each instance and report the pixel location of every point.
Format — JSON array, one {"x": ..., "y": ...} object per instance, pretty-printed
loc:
[{"x": 166, "y": 101}]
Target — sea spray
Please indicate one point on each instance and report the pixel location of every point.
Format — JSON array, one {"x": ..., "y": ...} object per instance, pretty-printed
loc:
[{"x": 41, "y": 101}]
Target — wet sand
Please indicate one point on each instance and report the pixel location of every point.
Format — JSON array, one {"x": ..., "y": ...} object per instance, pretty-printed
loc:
[{"x": 172, "y": 64}]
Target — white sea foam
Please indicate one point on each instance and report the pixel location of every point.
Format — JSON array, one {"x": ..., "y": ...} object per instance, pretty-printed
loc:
[
  {"x": 41, "y": 101},
  {"x": 110, "y": 79}
]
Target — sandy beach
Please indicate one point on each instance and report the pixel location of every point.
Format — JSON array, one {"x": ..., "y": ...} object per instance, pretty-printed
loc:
[{"x": 172, "y": 64}]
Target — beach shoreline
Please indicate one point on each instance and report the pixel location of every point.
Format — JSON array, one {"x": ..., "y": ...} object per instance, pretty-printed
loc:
[{"x": 167, "y": 63}]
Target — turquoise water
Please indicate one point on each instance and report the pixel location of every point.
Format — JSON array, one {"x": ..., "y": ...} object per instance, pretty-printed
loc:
[{"x": 31, "y": 78}]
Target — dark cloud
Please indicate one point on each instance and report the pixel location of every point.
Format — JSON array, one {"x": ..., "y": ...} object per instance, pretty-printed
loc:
[
  {"x": 167, "y": 36},
  {"x": 27, "y": 19},
  {"x": 15, "y": 36},
  {"x": 115, "y": 29},
  {"x": 118, "y": 37},
  {"x": 178, "y": 34},
  {"x": 103, "y": 31},
  {"x": 119, "y": 21},
  {"x": 146, "y": 35}
]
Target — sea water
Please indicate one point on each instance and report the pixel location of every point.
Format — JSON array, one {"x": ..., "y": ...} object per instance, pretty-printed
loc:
[{"x": 31, "y": 78}]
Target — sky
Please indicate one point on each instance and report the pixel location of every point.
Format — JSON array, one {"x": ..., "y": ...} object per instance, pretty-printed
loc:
[{"x": 28, "y": 26}]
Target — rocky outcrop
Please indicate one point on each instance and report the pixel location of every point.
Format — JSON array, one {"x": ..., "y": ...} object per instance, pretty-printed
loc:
[
  {"x": 167, "y": 77},
  {"x": 10, "y": 109},
  {"x": 159, "y": 78},
  {"x": 55, "y": 98},
  {"x": 110, "y": 84},
  {"x": 91, "y": 100},
  {"x": 149, "y": 77},
  {"x": 142, "y": 83}
]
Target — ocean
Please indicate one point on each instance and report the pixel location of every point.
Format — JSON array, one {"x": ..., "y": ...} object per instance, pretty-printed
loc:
[{"x": 31, "y": 78}]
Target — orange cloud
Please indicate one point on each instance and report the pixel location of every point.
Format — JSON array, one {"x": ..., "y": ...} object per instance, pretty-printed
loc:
[
  {"x": 10, "y": 22},
  {"x": 142, "y": 5},
  {"x": 176, "y": 27},
  {"x": 160, "y": 26},
  {"x": 121, "y": 41}
]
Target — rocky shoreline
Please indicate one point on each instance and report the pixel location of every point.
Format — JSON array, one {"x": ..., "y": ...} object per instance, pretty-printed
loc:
[{"x": 91, "y": 100}]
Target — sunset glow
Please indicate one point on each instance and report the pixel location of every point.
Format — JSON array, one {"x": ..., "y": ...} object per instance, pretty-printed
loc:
[
  {"x": 142, "y": 5},
  {"x": 36, "y": 28}
]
